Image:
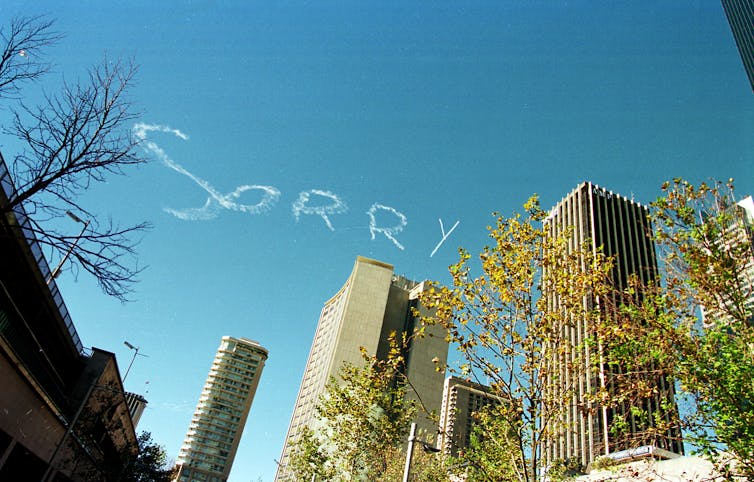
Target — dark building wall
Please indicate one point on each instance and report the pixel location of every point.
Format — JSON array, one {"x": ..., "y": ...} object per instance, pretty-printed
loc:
[
  {"x": 740, "y": 15},
  {"x": 32, "y": 432},
  {"x": 27, "y": 422},
  {"x": 44, "y": 374},
  {"x": 621, "y": 228}
]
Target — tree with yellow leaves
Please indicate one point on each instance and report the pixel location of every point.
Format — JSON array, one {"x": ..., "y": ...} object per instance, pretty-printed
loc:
[{"x": 511, "y": 334}]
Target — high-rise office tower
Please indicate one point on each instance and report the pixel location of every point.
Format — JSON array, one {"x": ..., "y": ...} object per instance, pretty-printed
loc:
[
  {"x": 461, "y": 399},
  {"x": 622, "y": 229},
  {"x": 216, "y": 427},
  {"x": 372, "y": 303},
  {"x": 740, "y": 15}
]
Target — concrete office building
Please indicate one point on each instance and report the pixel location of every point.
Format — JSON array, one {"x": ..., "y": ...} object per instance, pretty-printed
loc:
[
  {"x": 372, "y": 303},
  {"x": 461, "y": 399},
  {"x": 740, "y": 15},
  {"x": 215, "y": 431},
  {"x": 622, "y": 229}
]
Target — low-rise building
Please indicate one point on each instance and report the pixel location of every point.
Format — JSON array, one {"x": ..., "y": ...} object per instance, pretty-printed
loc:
[{"x": 461, "y": 400}]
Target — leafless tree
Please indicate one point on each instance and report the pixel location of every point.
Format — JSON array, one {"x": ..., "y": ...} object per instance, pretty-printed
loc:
[
  {"x": 22, "y": 56},
  {"x": 74, "y": 138}
]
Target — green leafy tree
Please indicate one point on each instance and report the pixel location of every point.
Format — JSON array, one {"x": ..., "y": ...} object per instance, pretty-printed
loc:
[
  {"x": 515, "y": 338},
  {"x": 639, "y": 370},
  {"x": 426, "y": 466},
  {"x": 706, "y": 242},
  {"x": 150, "y": 464},
  {"x": 492, "y": 452},
  {"x": 310, "y": 459},
  {"x": 511, "y": 334},
  {"x": 361, "y": 426}
]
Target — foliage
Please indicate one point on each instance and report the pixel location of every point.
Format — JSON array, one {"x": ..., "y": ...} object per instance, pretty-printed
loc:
[
  {"x": 603, "y": 462},
  {"x": 513, "y": 336},
  {"x": 426, "y": 466},
  {"x": 491, "y": 455},
  {"x": 310, "y": 459},
  {"x": 71, "y": 140},
  {"x": 645, "y": 334},
  {"x": 565, "y": 470},
  {"x": 151, "y": 463},
  {"x": 708, "y": 251},
  {"x": 362, "y": 423},
  {"x": 638, "y": 370},
  {"x": 102, "y": 429},
  {"x": 654, "y": 329}
]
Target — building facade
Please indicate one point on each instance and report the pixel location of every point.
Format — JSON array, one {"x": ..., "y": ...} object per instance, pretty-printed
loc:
[
  {"x": 740, "y": 15},
  {"x": 461, "y": 399},
  {"x": 621, "y": 228},
  {"x": 136, "y": 405},
  {"x": 62, "y": 410},
  {"x": 215, "y": 431},
  {"x": 372, "y": 303}
]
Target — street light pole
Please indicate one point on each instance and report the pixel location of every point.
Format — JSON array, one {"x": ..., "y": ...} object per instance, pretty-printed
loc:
[
  {"x": 136, "y": 352},
  {"x": 56, "y": 271},
  {"x": 409, "y": 452}
]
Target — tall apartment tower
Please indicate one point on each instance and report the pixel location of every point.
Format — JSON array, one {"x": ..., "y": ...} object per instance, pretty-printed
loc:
[
  {"x": 214, "y": 433},
  {"x": 740, "y": 15},
  {"x": 372, "y": 303},
  {"x": 621, "y": 228},
  {"x": 461, "y": 399}
]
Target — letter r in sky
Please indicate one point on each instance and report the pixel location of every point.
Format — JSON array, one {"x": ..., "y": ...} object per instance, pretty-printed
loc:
[
  {"x": 300, "y": 206},
  {"x": 388, "y": 232}
]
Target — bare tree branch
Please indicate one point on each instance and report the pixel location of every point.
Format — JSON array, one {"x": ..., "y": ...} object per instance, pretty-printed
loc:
[
  {"x": 73, "y": 139},
  {"x": 22, "y": 58}
]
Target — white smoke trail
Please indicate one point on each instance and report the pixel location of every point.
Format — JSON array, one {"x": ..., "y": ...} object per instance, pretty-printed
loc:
[{"x": 216, "y": 200}]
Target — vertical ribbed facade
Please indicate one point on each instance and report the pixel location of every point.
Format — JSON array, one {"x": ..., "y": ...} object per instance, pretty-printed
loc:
[
  {"x": 621, "y": 228},
  {"x": 215, "y": 431},
  {"x": 136, "y": 405},
  {"x": 372, "y": 303},
  {"x": 461, "y": 399},
  {"x": 740, "y": 15}
]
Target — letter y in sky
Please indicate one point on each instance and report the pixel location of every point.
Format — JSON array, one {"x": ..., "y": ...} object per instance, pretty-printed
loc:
[{"x": 444, "y": 236}]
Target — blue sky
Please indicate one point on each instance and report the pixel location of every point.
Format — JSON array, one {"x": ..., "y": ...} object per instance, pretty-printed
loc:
[{"x": 442, "y": 110}]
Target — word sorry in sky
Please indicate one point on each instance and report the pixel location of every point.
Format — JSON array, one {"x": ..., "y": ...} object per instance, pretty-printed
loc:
[{"x": 270, "y": 196}]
